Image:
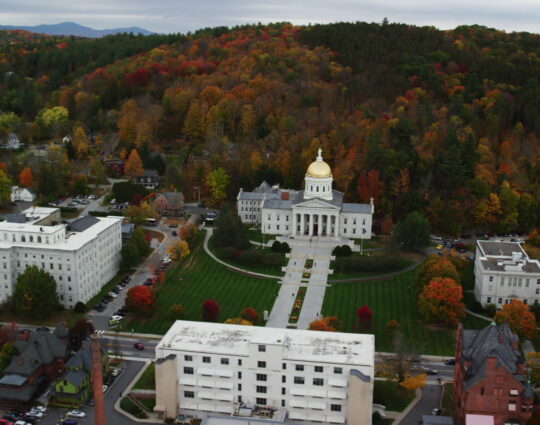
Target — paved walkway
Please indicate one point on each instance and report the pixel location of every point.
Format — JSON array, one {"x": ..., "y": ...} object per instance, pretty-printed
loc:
[{"x": 301, "y": 250}]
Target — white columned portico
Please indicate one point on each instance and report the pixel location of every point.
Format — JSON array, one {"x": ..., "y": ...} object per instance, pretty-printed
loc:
[
  {"x": 294, "y": 224},
  {"x": 310, "y": 217},
  {"x": 336, "y": 223}
]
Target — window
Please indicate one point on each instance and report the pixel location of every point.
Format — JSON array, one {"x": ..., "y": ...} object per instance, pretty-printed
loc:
[
  {"x": 206, "y": 359},
  {"x": 262, "y": 348},
  {"x": 491, "y": 278},
  {"x": 284, "y": 366},
  {"x": 318, "y": 381},
  {"x": 261, "y": 364},
  {"x": 188, "y": 370},
  {"x": 335, "y": 407},
  {"x": 239, "y": 362},
  {"x": 499, "y": 301},
  {"x": 188, "y": 358},
  {"x": 239, "y": 375},
  {"x": 283, "y": 378},
  {"x": 224, "y": 360},
  {"x": 261, "y": 401},
  {"x": 489, "y": 300},
  {"x": 189, "y": 394},
  {"x": 282, "y": 403},
  {"x": 261, "y": 377},
  {"x": 298, "y": 380},
  {"x": 299, "y": 367},
  {"x": 525, "y": 301},
  {"x": 482, "y": 391},
  {"x": 338, "y": 370},
  {"x": 318, "y": 369},
  {"x": 239, "y": 387},
  {"x": 261, "y": 389}
]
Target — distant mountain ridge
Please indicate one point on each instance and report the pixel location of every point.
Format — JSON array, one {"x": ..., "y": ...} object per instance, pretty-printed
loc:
[{"x": 72, "y": 28}]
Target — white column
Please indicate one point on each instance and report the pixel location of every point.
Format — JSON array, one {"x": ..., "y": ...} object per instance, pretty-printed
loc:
[
  {"x": 294, "y": 224},
  {"x": 319, "y": 227},
  {"x": 302, "y": 224},
  {"x": 336, "y": 231},
  {"x": 310, "y": 225}
]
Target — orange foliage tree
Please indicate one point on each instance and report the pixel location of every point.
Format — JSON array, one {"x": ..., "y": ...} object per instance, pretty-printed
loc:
[
  {"x": 414, "y": 382},
  {"x": 25, "y": 177},
  {"x": 436, "y": 267},
  {"x": 521, "y": 320},
  {"x": 442, "y": 301},
  {"x": 327, "y": 324},
  {"x": 370, "y": 186},
  {"x": 140, "y": 299}
]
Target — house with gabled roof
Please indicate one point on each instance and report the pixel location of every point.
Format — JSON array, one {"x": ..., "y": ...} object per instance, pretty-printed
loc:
[
  {"x": 39, "y": 360},
  {"x": 490, "y": 386},
  {"x": 170, "y": 204}
]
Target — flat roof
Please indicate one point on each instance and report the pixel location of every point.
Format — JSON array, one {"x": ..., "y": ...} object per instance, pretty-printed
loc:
[
  {"x": 526, "y": 266},
  {"x": 500, "y": 249},
  {"x": 299, "y": 345}
]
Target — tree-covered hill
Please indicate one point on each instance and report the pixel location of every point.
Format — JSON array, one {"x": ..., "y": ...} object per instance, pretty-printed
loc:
[{"x": 445, "y": 122}]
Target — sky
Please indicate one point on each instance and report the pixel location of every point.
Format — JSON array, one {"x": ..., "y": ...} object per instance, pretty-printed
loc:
[{"x": 183, "y": 16}]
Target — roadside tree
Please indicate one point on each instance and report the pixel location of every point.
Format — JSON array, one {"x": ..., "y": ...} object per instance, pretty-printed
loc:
[
  {"x": 140, "y": 299},
  {"x": 35, "y": 293}
]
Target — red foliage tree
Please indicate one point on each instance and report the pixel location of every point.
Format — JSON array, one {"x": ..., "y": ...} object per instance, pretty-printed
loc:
[
  {"x": 442, "y": 301},
  {"x": 326, "y": 324},
  {"x": 250, "y": 314},
  {"x": 136, "y": 199},
  {"x": 365, "y": 318},
  {"x": 140, "y": 299},
  {"x": 370, "y": 186},
  {"x": 210, "y": 310},
  {"x": 25, "y": 177}
]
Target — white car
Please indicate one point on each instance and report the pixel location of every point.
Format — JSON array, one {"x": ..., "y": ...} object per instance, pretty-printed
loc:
[
  {"x": 115, "y": 372},
  {"x": 112, "y": 294},
  {"x": 117, "y": 317},
  {"x": 35, "y": 413},
  {"x": 113, "y": 202},
  {"x": 76, "y": 414},
  {"x": 92, "y": 197},
  {"x": 20, "y": 422},
  {"x": 104, "y": 388},
  {"x": 41, "y": 409}
]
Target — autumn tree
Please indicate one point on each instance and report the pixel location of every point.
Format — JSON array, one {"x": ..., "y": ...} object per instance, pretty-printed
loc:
[
  {"x": 392, "y": 327},
  {"x": 435, "y": 266},
  {"x": 250, "y": 314},
  {"x": 80, "y": 330},
  {"x": 365, "y": 318},
  {"x": 6, "y": 354},
  {"x": 370, "y": 186},
  {"x": 326, "y": 324},
  {"x": 140, "y": 299},
  {"x": 133, "y": 166},
  {"x": 25, "y": 177},
  {"x": 210, "y": 310},
  {"x": 80, "y": 143},
  {"x": 414, "y": 382},
  {"x": 178, "y": 250},
  {"x": 139, "y": 213},
  {"x": 412, "y": 233},
  {"x": 217, "y": 181},
  {"x": 520, "y": 319},
  {"x": 188, "y": 231},
  {"x": 35, "y": 293},
  {"x": 442, "y": 301}
]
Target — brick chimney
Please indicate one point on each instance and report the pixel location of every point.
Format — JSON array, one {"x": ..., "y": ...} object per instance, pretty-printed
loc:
[{"x": 97, "y": 382}]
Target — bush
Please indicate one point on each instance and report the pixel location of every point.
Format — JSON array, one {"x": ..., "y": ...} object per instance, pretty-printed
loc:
[
  {"x": 250, "y": 257},
  {"x": 342, "y": 251},
  {"x": 69, "y": 210},
  {"x": 490, "y": 310},
  {"x": 476, "y": 307},
  {"x": 80, "y": 307},
  {"x": 250, "y": 314},
  {"x": 177, "y": 312},
  {"x": 230, "y": 253},
  {"x": 272, "y": 259},
  {"x": 276, "y": 246}
]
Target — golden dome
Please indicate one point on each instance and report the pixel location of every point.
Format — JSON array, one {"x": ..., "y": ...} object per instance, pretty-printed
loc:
[{"x": 319, "y": 168}]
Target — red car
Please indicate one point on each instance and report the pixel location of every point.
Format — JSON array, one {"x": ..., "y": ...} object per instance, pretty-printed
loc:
[{"x": 138, "y": 346}]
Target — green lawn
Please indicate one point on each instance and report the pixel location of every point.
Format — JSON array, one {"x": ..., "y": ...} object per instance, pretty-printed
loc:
[
  {"x": 390, "y": 394},
  {"x": 201, "y": 278},
  {"x": 394, "y": 298},
  {"x": 257, "y": 236},
  {"x": 147, "y": 381}
]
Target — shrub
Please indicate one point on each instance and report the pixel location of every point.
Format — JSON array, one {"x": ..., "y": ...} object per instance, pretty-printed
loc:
[
  {"x": 250, "y": 314},
  {"x": 250, "y": 257},
  {"x": 490, "y": 310},
  {"x": 177, "y": 312},
  {"x": 230, "y": 253},
  {"x": 80, "y": 307},
  {"x": 376, "y": 263},
  {"x": 210, "y": 310},
  {"x": 276, "y": 246},
  {"x": 272, "y": 259}
]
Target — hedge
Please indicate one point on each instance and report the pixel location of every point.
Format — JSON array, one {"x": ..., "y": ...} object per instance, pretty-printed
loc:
[{"x": 375, "y": 263}]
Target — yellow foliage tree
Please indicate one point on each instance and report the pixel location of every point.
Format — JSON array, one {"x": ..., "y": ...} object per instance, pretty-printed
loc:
[
  {"x": 414, "y": 382},
  {"x": 532, "y": 365},
  {"x": 139, "y": 214},
  {"x": 178, "y": 250},
  {"x": 133, "y": 166},
  {"x": 80, "y": 142}
]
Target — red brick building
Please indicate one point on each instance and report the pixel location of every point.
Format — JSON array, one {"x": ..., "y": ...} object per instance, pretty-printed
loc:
[{"x": 489, "y": 382}]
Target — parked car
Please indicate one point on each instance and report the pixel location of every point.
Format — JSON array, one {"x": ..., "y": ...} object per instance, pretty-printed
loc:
[
  {"x": 104, "y": 388},
  {"x": 90, "y": 402},
  {"x": 113, "y": 322},
  {"x": 117, "y": 317},
  {"x": 430, "y": 371},
  {"x": 42, "y": 409},
  {"x": 69, "y": 422},
  {"x": 43, "y": 328},
  {"x": 437, "y": 411},
  {"x": 115, "y": 290},
  {"x": 174, "y": 233},
  {"x": 9, "y": 417},
  {"x": 85, "y": 202},
  {"x": 115, "y": 372},
  {"x": 76, "y": 414},
  {"x": 113, "y": 201},
  {"x": 20, "y": 422},
  {"x": 35, "y": 413},
  {"x": 5, "y": 422},
  {"x": 138, "y": 346},
  {"x": 172, "y": 226},
  {"x": 450, "y": 362},
  {"x": 92, "y": 197},
  {"x": 99, "y": 307}
]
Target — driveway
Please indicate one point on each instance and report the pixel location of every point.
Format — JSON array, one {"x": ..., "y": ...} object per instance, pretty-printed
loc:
[{"x": 431, "y": 396}]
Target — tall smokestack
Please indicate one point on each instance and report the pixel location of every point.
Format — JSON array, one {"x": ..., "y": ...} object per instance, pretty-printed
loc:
[{"x": 97, "y": 382}]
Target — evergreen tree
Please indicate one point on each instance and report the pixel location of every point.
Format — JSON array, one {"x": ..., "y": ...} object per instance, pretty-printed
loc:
[{"x": 35, "y": 293}]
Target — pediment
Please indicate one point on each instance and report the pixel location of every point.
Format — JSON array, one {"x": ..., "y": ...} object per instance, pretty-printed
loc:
[{"x": 316, "y": 203}]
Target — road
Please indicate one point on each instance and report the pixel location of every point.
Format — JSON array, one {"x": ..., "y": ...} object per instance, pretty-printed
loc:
[
  {"x": 100, "y": 319},
  {"x": 431, "y": 397}
]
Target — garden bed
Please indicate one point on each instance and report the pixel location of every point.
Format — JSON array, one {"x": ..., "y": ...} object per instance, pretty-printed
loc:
[{"x": 297, "y": 305}]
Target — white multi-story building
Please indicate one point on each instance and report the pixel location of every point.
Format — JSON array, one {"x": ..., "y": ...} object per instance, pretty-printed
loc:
[
  {"x": 265, "y": 372},
  {"x": 81, "y": 256},
  {"x": 503, "y": 271},
  {"x": 318, "y": 210}
]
